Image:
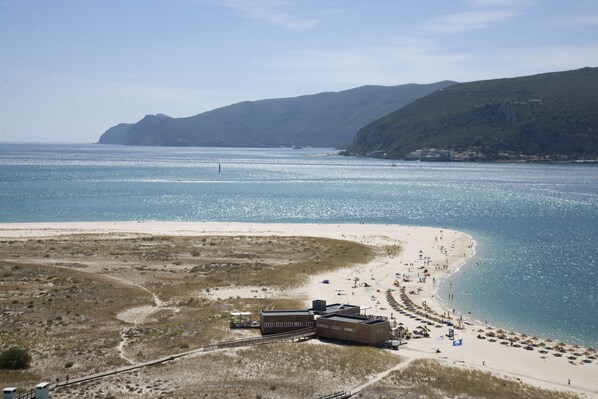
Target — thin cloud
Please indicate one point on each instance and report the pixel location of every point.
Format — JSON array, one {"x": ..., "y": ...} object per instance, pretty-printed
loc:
[
  {"x": 469, "y": 20},
  {"x": 274, "y": 12},
  {"x": 501, "y": 3},
  {"x": 148, "y": 92},
  {"x": 478, "y": 15},
  {"x": 588, "y": 20},
  {"x": 404, "y": 60}
]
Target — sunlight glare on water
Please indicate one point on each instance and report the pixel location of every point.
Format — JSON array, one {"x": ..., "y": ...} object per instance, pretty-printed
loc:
[{"x": 536, "y": 225}]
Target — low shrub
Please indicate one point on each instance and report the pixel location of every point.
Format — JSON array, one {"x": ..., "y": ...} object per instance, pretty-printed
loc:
[{"x": 14, "y": 359}]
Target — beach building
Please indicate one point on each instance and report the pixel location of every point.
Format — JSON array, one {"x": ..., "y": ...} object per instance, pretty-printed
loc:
[
  {"x": 280, "y": 321},
  {"x": 351, "y": 328},
  {"x": 335, "y": 321},
  {"x": 9, "y": 393},
  {"x": 42, "y": 391}
]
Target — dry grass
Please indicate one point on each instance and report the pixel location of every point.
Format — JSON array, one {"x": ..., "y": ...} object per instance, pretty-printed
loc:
[
  {"x": 428, "y": 379},
  {"x": 199, "y": 322},
  {"x": 59, "y": 297},
  {"x": 282, "y": 370},
  {"x": 60, "y": 316},
  {"x": 211, "y": 261}
]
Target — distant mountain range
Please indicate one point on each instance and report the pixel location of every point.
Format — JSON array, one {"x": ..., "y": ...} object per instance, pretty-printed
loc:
[
  {"x": 319, "y": 120},
  {"x": 552, "y": 116}
]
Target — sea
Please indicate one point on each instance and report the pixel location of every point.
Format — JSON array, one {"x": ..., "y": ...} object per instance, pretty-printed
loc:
[{"x": 535, "y": 225}]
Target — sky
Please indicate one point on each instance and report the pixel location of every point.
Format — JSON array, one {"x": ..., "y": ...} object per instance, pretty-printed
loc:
[{"x": 70, "y": 69}]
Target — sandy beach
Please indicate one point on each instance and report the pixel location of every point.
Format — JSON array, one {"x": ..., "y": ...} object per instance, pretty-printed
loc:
[{"x": 439, "y": 251}]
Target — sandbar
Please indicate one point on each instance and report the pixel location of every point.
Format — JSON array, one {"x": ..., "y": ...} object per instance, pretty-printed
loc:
[{"x": 440, "y": 251}]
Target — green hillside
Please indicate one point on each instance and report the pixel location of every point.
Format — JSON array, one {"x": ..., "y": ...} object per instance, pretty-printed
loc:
[
  {"x": 552, "y": 114},
  {"x": 319, "y": 120}
]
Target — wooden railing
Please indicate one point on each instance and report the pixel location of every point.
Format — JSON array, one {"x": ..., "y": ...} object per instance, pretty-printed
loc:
[{"x": 336, "y": 395}]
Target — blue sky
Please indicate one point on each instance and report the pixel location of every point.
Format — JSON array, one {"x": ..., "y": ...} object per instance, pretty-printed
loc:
[{"x": 70, "y": 69}]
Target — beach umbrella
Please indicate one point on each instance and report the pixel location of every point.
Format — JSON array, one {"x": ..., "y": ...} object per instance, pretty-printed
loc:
[
  {"x": 591, "y": 350},
  {"x": 548, "y": 340},
  {"x": 542, "y": 344},
  {"x": 515, "y": 339},
  {"x": 534, "y": 338},
  {"x": 480, "y": 330},
  {"x": 576, "y": 346},
  {"x": 512, "y": 333},
  {"x": 523, "y": 335},
  {"x": 562, "y": 344},
  {"x": 500, "y": 332},
  {"x": 570, "y": 350}
]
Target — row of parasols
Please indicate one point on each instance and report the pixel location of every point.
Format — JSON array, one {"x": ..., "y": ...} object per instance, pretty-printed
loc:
[
  {"x": 410, "y": 309},
  {"x": 530, "y": 343}
]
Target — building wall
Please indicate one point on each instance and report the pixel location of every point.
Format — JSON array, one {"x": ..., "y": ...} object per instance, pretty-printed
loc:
[
  {"x": 274, "y": 323},
  {"x": 364, "y": 333}
]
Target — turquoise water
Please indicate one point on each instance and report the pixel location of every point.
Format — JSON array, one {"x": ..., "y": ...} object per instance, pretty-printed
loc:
[{"x": 536, "y": 225}]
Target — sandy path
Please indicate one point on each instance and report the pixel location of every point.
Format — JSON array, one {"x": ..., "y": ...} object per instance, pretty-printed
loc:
[
  {"x": 120, "y": 348},
  {"x": 374, "y": 379}
]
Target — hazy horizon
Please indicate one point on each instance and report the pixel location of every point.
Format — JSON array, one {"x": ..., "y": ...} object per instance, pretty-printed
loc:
[{"x": 73, "y": 69}]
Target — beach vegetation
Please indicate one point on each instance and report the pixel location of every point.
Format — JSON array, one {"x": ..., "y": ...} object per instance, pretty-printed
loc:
[{"x": 15, "y": 358}]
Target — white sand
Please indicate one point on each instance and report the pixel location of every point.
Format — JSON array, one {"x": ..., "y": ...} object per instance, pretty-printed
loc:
[{"x": 441, "y": 247}]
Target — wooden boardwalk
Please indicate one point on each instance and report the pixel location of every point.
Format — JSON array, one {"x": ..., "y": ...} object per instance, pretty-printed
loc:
[
  {"x": 337, "y": 395},
  {"x": 291, "y": 336}
]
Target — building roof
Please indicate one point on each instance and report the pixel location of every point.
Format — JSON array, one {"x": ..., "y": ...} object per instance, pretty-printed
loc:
[
  {"x": 287, "y": 312},
  {"x": 335, "y": 307},
  {"x": 352, "y": 319}
]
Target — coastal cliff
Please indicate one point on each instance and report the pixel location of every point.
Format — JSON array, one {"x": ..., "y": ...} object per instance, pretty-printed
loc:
[{"x": 320, "y": 120}]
